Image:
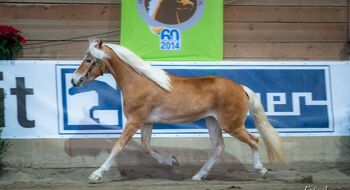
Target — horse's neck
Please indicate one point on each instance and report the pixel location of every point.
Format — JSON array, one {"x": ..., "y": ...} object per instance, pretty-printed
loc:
[{"x": 125, "y": 76}]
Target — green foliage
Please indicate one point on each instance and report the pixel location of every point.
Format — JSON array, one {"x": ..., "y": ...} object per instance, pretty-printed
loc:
[
  {"x": 2, "y": 108},
  {"x": 8, "y": 52},
  {"x": 4, "y": 145}
]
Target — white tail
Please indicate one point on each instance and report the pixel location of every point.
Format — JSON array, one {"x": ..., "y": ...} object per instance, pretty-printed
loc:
[{"x": 272, "y": 141}]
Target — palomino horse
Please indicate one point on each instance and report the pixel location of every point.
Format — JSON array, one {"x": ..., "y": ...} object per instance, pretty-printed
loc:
[{"x": 150, "y": 95}]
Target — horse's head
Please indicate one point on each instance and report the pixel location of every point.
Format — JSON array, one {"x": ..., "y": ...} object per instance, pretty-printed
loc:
[{"x": 93, "y": 65}]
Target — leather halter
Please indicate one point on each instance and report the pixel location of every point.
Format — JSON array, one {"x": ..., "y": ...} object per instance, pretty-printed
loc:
[{"x": 95, "y": 63}]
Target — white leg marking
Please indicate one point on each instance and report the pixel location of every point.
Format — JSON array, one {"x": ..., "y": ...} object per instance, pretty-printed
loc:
[
  {"x": 215, "y": 134},
  {"x": 258, "y": 166},
  {"x": 146, "y": 137},
  {"x": 97, "y": 175},
  {"x": 127, "y": 134}
]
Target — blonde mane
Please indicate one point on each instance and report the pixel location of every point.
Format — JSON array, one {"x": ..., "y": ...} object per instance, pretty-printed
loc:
[
  {"x": 159, "y": 76},
  {"x": 95, "y": 52}
]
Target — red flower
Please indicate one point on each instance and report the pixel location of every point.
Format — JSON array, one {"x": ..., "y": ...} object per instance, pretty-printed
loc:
[
  {"x": 8, "y": 31},
  {"x": 11, "y": 33},
  {"x": 22, "y": 40}
]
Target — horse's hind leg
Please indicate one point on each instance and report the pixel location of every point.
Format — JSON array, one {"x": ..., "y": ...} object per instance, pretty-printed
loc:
[
  {"x": 243, "y": 135},
  {"x": 215, "y": 134},
  {"x": 146, "y": 134}
]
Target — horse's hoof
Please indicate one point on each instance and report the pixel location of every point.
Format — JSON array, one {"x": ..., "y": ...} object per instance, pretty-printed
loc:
[
  {"x": 95, "y": 177},
  {"x": 264, "y": 174},
  {"x": 198, "y": 177},
  {"x": 174, "y": 161}
]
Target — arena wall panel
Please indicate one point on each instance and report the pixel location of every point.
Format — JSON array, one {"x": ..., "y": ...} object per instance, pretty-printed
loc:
[{"x": 253, "y": 30}]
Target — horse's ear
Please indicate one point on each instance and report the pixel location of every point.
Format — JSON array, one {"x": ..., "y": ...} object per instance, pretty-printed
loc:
[{"x": 100, "y": 44}]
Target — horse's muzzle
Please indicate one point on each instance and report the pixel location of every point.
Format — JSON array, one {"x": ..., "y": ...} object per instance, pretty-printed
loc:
[
  {"x": 77, "y": 84},
  {"x": 73, "y": 83}
]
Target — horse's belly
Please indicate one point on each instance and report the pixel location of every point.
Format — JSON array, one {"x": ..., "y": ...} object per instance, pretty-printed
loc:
[{"x": 161, "y": 115}]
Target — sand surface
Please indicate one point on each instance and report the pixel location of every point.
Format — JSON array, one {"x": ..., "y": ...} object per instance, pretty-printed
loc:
[{"x": 295, "y": 176}]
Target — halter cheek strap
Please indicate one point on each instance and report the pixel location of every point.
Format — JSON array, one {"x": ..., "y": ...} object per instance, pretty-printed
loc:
[
  {"x": 99, "y": 67},
  {"x": 93, "y": 65}
]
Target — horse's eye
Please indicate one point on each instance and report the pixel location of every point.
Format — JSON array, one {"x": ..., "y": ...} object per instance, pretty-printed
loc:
[{"x": 88, "y": 60}]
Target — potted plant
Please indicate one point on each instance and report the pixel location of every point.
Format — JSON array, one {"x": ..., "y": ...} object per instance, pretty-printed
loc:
[
  {"x": 11, "y": 42},
  {"x": 10, "y": 45}
]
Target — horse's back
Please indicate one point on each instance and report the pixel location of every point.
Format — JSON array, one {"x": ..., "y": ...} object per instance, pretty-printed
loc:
[
  {"x": 218, "y": 86},
  {"x": 211, "y": 91}
]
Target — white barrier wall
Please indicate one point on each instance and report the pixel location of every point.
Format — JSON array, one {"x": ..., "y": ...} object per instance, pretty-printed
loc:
[{"x": 300, "y": 98}]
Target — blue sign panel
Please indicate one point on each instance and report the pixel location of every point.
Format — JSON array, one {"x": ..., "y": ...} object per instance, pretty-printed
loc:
[
  {"x": 94, "y": 108},
  {"x": 296, "y": 99}
]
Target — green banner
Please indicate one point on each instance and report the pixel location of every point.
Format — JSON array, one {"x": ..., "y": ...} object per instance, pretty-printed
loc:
[{"x": 173, "y": 29}]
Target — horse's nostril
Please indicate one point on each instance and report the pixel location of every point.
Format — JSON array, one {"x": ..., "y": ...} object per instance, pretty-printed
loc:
[{"x": 72, "y": 81}]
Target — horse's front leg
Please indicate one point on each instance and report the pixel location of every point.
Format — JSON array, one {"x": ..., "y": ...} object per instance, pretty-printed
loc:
[
  {"x": 146, "y": 134},
  {"x": 129, "y": 131}
]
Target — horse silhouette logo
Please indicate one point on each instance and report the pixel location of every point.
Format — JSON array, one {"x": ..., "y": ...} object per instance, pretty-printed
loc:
[
  {"x": 94, "y": 108},
  {"x": 107, "y": 97}
]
